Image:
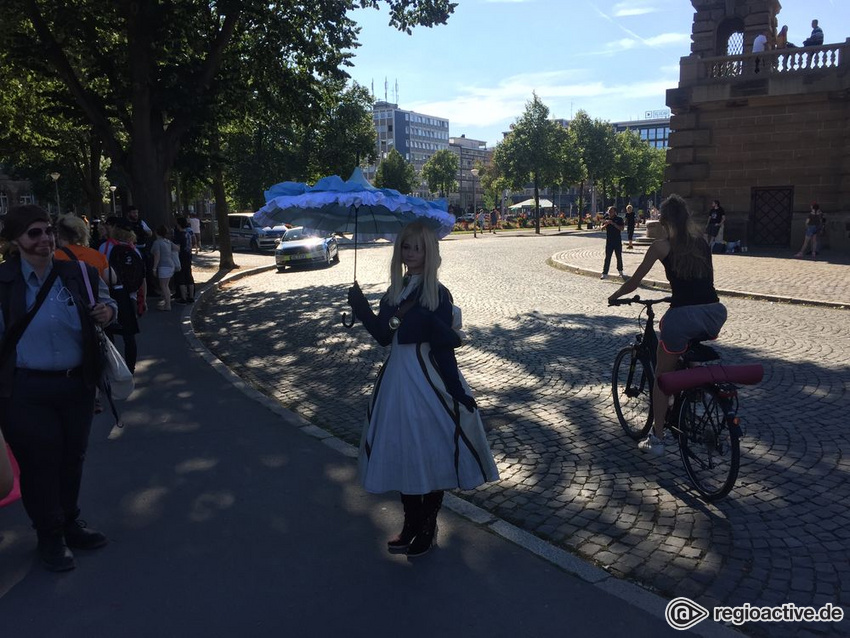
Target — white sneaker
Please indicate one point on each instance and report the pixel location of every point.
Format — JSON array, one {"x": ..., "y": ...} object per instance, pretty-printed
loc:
[
  {"x": 604, "y": 275},
  {"x": 652, "y": 444}
]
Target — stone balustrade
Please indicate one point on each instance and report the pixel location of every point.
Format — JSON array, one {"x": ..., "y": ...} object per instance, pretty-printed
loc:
[{"x": 777, "y": 61}]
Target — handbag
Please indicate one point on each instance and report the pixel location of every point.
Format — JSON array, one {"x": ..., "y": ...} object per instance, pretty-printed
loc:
[
  {"x": 15, "y": 494},
  {"x": 116, "y": 376}
]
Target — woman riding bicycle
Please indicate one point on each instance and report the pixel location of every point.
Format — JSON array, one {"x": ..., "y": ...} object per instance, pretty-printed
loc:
[{"x": 695, "y": 312}]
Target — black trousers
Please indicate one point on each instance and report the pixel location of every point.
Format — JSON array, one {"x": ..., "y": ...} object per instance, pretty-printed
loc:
[
  {"x": 613, "y": 247},
  {"x": 46, "y": 422}
]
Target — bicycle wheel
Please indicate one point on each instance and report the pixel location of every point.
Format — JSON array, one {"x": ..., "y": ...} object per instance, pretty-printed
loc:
[
  {"x": 631, "y": 386},
  {"x": 710, "y": 452}
]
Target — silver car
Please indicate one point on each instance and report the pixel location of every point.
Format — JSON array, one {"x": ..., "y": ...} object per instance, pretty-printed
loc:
[{"x": 299, "y": 246}]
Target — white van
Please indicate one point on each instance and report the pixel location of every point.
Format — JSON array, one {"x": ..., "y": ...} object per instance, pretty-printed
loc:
[{"x": 246, "y": 233}]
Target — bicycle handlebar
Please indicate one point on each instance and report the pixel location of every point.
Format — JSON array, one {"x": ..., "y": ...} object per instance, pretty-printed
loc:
[{"x": 637, "y": 299}]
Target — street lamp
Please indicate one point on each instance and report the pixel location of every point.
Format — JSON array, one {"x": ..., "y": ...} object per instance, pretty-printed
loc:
[
  {"x": 55, "y": 178},
  {"x": 474, "y": 173},
  {"x": 113, "y": 189}
]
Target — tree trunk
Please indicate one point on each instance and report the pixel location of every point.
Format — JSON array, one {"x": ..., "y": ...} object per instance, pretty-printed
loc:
[
  {"x": 580, "y": 204},
  {"x": 225, "y": 249},
  {"x": 536, "y": 206}
]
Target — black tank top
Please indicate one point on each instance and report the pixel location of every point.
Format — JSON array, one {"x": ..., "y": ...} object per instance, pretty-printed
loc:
[{"x": 691, "y": 292}]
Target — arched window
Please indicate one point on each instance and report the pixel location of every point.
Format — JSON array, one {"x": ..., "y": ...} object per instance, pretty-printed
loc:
[{"x": 730, "y": 37}]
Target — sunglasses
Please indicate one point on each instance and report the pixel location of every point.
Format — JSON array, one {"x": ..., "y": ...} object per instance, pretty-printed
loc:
[{"x": 35, "y": 233}]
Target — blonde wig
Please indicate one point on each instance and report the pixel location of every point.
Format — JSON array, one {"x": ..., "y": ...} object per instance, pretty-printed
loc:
[{"x": 417, "y": 232}]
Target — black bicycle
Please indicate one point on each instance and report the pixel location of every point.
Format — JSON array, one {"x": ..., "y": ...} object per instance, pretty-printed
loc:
[{"x": 704, "y": 403}]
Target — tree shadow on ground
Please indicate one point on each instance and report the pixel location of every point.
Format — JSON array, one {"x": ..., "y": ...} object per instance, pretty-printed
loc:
[{"x": 570, "y": 474}]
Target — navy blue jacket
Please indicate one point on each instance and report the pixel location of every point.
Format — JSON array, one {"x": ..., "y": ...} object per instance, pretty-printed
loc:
[{"x": 419, "y": 325}]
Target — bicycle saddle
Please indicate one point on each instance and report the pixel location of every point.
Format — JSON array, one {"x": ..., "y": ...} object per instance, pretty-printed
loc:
[{"x": 700, "y": 353}]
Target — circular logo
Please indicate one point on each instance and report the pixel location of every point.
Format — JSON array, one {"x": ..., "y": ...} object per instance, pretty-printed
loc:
[{"x": 683, "y": 613}]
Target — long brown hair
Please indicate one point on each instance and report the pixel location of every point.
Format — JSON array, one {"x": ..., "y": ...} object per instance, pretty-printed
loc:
[{"x": 689, "y": 256}]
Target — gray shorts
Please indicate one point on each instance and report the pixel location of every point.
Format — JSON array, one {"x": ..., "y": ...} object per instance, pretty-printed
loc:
[{"x": 684, "y": 324}]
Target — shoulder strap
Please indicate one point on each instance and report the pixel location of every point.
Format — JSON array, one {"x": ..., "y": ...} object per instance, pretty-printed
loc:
[
  {"x": 69, "y": 252},
  {"x": 15, "y": 332}
]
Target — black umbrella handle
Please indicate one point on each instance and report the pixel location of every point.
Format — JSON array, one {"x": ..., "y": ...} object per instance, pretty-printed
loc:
[{"x": 345, "y": 320}]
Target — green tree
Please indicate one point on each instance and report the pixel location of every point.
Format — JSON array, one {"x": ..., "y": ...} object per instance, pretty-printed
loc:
[
  {"x": 346, "y": 133},
  {"x": 571, "y": 168},
  {"x": 596, "y": 146},
  {"x": 396, "y": 172},
  {"x": 142, "y": 74},
  {"x": 531, "y": 152},
  {"x": 440, "y": 172}
]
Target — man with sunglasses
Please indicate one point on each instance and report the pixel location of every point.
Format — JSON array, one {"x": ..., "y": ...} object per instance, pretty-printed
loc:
[{"x": 49, "y": 367}]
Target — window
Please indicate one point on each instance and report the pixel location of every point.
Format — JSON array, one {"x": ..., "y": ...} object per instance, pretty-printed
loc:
[
  {"x": 4, "y": 202},
  {"x": 26, "y": 199}
]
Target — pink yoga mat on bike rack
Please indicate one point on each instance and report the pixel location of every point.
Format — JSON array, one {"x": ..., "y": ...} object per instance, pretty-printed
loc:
[
  {"x": 673, "y": 382},
  {"x": 15, "y": 494}
]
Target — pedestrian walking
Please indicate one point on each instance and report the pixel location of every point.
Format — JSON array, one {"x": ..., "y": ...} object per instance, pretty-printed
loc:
[
  {"x": 195, "y": 225},
  {"x": 714, "y": 225},
  {"x": 695, "y": 312},
  {"x": 613, "y": 225},
  {"x": 127, "y": 286},
  {"x": 494, "y": 220},
  {"x": 183, "y": 279},
  {"x": 424, "y": 433},
  {"x": 163, "y": 266},
  {"x": 49, "y": 367},
  {"x": 815, "y": 224},
  {"x": 631, "y": 220}
]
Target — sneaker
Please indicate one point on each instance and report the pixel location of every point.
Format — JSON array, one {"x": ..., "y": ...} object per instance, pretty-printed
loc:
[
  {"x": 604, "y": 275},
  {"x": 622, "y": 276},
  {"x": 652, "y": 444}
]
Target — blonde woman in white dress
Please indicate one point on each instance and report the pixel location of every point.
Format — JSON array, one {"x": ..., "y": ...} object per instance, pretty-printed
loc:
[{"x": 423, "y": 433}]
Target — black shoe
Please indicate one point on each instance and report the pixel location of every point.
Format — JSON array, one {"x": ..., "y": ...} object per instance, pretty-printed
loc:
[
  {"x": 424, "y": 541},
  {"x": 427, "y": 537},
  {"x": 412, "y": 523},
  {"x": 77, "y": 536},
  {"x": 54, "y": 553}
]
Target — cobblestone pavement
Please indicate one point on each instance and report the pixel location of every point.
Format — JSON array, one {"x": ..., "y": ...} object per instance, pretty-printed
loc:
[
  {"x": 539, "y": 358},
  {"x": 774, "y": 274}
]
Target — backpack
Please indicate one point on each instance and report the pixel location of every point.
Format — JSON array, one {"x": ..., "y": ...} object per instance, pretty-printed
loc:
[{"x": 128, "y": 265}]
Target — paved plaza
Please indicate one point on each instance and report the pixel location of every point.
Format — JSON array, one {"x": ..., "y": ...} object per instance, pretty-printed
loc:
[{"x": 541, "y": 344}]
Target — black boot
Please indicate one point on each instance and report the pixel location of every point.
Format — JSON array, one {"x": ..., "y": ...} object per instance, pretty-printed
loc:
[
  {"x": 412, "y": 523},
  {"x": 426, "y": 538},
  {"x": 78, "y": 536},
  {"x": 54, "y": 553}
]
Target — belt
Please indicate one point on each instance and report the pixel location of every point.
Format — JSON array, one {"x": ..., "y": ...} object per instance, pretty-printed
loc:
[{"x": 52, "y": 374}]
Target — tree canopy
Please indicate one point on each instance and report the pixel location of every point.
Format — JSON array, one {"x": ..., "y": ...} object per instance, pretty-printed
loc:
[
  {"x": 532, "y": 151},
  {"x": 440, "y": 172},
  {"x": 140, "y": 76},
  {"x": 396, "y": 172}
]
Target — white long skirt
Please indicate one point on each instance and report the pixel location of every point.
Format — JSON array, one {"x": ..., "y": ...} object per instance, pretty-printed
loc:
[{"x": 417, "y": 438}]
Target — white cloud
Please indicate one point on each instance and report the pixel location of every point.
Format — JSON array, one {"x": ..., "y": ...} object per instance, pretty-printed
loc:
[
  {"x": 564, "y": 92},
  {"x": 665, "y": 39},
  {"x": 627, "y": 9}
]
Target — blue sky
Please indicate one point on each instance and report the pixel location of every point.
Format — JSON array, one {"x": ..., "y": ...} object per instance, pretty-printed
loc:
[{"x": 614, "y": 59}]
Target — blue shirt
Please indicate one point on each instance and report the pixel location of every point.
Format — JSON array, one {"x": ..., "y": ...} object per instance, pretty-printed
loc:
[{"x": 54, "y": 338}]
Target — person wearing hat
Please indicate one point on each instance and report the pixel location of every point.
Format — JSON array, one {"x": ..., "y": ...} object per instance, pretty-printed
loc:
[{"x": 49, "y": 367}]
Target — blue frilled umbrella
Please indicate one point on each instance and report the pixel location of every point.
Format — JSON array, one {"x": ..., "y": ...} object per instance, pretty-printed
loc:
[{"x": 354, "y": 206}]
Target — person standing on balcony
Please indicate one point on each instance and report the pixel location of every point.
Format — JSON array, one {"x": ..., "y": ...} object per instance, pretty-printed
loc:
[
  {"x": 759, "y": 46},
  {"x": 816, "y": 39}
]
